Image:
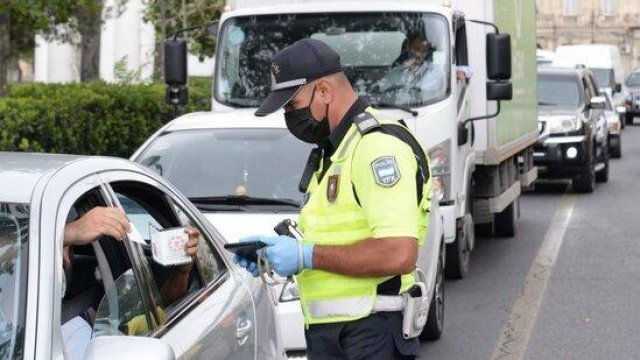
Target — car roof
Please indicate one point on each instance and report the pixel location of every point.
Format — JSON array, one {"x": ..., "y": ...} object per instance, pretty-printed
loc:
[
  {"x": 235, "y": 118},
  {"x": 562, "y": 71},
  {"x": 20, "y": 172}
]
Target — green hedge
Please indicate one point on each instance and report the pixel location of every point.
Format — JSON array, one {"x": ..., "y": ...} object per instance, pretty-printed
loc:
[{"x": 92, "y": 119}]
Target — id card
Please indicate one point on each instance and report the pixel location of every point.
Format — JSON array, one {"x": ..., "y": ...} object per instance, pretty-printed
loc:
[{"x": 168, "y": 246}]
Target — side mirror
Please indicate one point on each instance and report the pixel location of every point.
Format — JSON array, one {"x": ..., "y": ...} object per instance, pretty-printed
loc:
[
  {"x": 598, "y": 102},
  {"x": 128, "y": 348},
  {"x": 617, "y": 88},
  {"x": 175, "y": 62},
  {"x": 213, "y": 28},
  {"x": 499, "y": 90},
  {"x": 499, "y": 56}
]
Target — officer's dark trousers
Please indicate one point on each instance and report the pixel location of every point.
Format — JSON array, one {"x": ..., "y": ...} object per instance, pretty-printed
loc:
[{"x": 378, "y": 336}]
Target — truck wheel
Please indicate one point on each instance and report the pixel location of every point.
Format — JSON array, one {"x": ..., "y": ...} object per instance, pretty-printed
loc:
[
  {"x": 435, "y": 320},
  {"x": 602, "y": 176},
  {"x": 506, "y": 222},
  {"x": 629, "y": 118},
  {"x": 586, "y": 181},
  {"x": 458, "y": 252}
]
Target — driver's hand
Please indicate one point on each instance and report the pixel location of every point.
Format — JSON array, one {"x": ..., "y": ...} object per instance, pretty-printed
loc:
[{"x": 99, "y": 221}]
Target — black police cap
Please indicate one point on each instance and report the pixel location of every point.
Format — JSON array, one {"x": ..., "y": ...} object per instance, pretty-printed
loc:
[{"x": 296, "y": 65}]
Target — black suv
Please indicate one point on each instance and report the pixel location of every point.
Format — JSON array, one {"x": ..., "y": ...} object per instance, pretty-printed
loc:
[
  {"x": 633, "y": 96},
  {"x": 573, "y": 140}
]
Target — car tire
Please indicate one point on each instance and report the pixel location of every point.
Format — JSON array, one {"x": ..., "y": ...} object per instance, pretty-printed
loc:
[
  {"x": 586, "y": 181},
  {"x": 506, "y": 222},
  {"x": 629, "y": 119},
  {"x": 602, "y": 176},
  {"x": 435, "y": 319},
  {"x": 616, "y": 151}
]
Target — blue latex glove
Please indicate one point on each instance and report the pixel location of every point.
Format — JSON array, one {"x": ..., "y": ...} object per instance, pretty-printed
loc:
[
  {"x": 282, "y": 253},
  {"x": 250, "y": 266}
]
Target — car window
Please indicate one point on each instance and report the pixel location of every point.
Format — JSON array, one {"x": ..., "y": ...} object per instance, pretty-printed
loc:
[
  {"x": 217, "y": 164},
  {"x": 14, "y": 236},
  {"x": 558, "y": 91},
  {"x": 154, "y": 211}
]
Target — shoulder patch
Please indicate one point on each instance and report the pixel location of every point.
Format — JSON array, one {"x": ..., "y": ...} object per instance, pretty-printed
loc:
[
  {"x": 385, "y": 171},
  {"x": 365, "y": 122}
]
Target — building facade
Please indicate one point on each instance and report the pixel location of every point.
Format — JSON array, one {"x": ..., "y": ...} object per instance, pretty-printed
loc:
[{"x": 569, "y": 22}]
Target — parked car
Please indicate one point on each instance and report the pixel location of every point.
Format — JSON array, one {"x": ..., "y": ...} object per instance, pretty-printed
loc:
[
  {"x": 632, "y": 83},
  {"x": 243, "y": 173},
  {"x": 223, "y": 312},
  {"x": 573, "y": 141},
  {"x": 614, "y": 125}
]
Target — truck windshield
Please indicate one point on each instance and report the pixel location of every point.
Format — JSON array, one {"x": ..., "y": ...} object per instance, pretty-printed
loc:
[
  {"x": 604, "y": 77},
  {"x": 14, "y": 221},
  {"x": 227, "y": 165},
  {"x": 394, "y": 58},
  {"x": 559, "y": 91}
]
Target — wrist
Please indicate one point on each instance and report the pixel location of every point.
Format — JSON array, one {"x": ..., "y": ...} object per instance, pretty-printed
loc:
[{"x": 307, "y": 252}]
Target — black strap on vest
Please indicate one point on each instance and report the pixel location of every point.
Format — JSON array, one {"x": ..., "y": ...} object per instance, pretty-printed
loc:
[{"x": 368, "y": 124}]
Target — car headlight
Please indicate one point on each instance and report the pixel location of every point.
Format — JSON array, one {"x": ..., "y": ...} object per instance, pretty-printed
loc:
[
  {"x": 440, "y": 160},
  {"x": 290, "y": 292},
  {"x": 559, "y": 125},
  {"x": 621, "y": 109}
]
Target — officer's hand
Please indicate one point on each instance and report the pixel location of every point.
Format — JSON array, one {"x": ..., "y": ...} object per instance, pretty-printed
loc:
[
  {"x": 250, "y": 266},
  {"x": 282, "y": 254}
]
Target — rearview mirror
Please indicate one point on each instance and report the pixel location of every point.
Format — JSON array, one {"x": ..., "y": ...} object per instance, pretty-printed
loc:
[
  {"x": 128, "y": 348},
  {"x": 499, "y": 90},
  {"x": 499, "y": 56},
  {"x": 175, "y": 62},
  {"x": 598, "y": 102}
]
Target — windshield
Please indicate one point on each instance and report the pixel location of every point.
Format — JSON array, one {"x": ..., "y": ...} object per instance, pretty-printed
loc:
[
  {"x": 261, "y": 163},
  {"x": 604, "y": 77},
  {"x": 394, "y": 58},
  {"x": 559, "y": 91},
  {"x": 14, "y": 221},
  {"x": 633, "y": 80}
]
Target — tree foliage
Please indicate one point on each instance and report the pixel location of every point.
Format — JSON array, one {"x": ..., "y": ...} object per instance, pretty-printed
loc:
[{"x": 169, "y": 16}]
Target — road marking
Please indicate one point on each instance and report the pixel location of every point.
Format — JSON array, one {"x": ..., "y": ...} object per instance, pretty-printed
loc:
[{"x": 514, "y": 338}]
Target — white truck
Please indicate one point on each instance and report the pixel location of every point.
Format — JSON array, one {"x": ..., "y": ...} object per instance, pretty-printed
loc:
[{"x": 489, "y": 162}]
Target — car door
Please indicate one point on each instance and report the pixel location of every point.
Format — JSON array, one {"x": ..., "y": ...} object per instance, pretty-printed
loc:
[{"x": 215, "y": 317}]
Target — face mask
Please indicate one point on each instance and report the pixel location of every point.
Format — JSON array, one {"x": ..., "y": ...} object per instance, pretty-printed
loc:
[{"x": 305, "y": 127}]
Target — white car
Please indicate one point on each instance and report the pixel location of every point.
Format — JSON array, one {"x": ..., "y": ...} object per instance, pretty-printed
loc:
[
  {"x": 243, "y": 173},
  {"x": 114, "y": 290}
]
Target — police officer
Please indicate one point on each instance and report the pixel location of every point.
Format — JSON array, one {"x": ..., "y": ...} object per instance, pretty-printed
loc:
[{"x": 365, "y": 211}]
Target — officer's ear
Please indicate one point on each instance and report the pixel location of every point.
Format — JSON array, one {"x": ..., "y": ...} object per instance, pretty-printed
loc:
[{"x": 326, "y": 89}]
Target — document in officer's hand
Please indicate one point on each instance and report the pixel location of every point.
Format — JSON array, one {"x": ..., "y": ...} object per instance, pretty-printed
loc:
[{"x": 168, "y": 246}]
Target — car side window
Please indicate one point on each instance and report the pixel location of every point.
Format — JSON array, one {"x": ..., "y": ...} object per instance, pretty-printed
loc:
[{"x": 151, "y": 210}]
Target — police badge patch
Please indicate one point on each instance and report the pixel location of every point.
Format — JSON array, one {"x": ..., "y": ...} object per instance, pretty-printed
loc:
[
  {"x": 385, "y": 171},
  {"x": 332, "y": 187}
]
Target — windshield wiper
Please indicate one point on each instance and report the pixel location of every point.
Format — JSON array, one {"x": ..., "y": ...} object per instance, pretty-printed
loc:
[
  {"x": 392, "y": 106},
  {"x": 242, "y": 200},
  {"x": 543, "y": 103},
  {"x": 230, "y": 102}
]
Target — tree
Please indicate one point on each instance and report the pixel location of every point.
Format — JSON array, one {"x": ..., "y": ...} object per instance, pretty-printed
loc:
[
  {"x": 169, "y": 16},
  {"x": 20, "y": 21}
]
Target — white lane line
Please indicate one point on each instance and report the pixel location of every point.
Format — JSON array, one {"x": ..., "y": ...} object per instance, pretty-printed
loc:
[{"x": 516, "y": 333}]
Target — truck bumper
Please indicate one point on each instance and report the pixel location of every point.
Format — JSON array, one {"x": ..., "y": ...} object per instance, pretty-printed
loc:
[{"x": 560, "y": 157}]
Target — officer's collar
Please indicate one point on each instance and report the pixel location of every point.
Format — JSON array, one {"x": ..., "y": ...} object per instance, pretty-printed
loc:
[{"x": 337, "y": 135}]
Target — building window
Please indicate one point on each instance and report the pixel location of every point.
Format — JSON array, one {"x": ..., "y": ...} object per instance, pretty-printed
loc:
[
  {"x": 609, "y": 7},
  {"x": 570, "y": 8}
]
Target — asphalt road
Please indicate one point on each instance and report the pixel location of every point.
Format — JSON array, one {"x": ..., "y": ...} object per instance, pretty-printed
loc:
[{"x": 566, "y": 287}]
